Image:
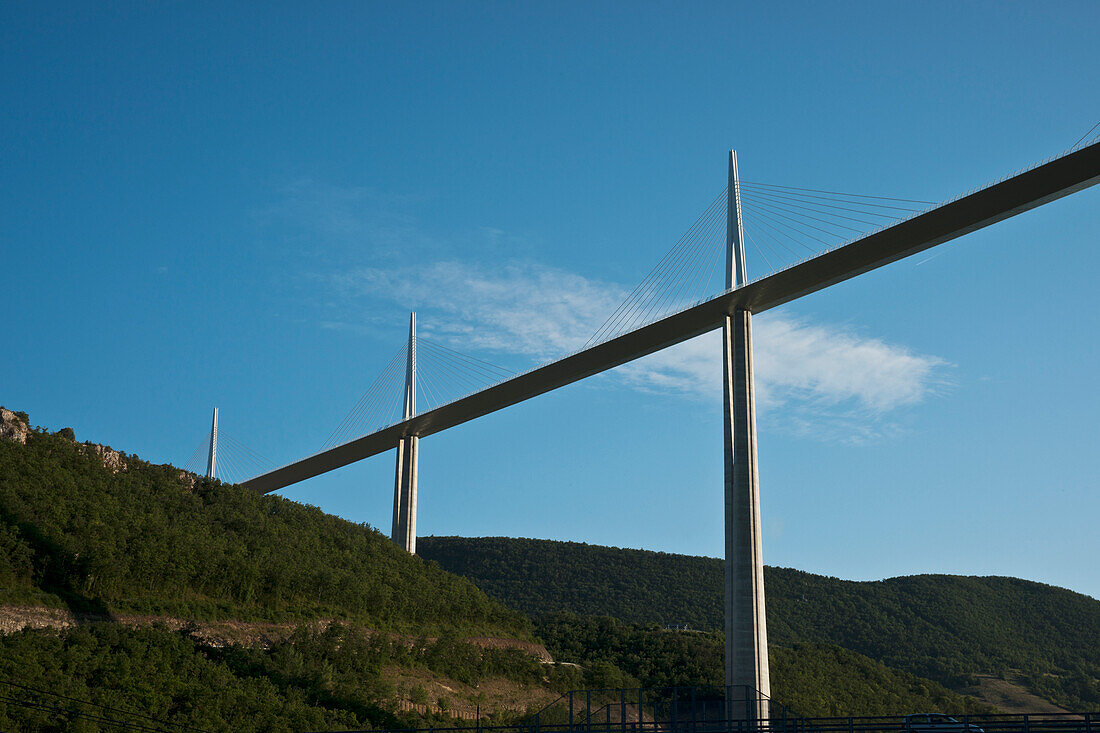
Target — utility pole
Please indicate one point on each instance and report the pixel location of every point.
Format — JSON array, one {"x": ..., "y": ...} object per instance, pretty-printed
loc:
[
  {"x": 746, "y": 629},
  {"x": 404, "y": 485},
  {"x": 212, "y": 459}
]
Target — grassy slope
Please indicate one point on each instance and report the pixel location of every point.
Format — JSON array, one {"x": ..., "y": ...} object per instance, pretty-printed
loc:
[{"x": 942, "y": 627}]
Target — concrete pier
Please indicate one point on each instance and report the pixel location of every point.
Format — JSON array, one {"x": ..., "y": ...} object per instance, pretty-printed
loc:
[
  {"x": 212, "y": 457},
  {"x": 403, "y": 531},
  {"x": 746, "y": 628},
  {"x": 404, "y": 499}
]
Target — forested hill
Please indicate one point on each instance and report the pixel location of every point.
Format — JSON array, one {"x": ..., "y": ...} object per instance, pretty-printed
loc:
[
  {"x": 96, "y": 530},
  {"x": 943, "y": 627},
  {"x": 811, "y": 679}
]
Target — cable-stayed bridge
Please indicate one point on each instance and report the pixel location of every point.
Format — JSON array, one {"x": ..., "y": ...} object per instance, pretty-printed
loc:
[
  {"x": 613, "y": 346},
  {"x": 222, "y": 456},
  {"x": 806, "y": 239}
]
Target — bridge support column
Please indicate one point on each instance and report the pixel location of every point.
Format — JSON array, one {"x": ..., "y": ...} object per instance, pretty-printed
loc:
[
  {"x": 746, "y": 628},
  {"x": 404, "y": 494},
  {"x": 747, "y": 672},
  {"x": 404, "y": 485},
  {"x": 212, "y": 457}
]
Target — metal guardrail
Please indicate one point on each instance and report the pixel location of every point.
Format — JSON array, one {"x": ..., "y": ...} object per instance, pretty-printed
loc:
[
  {"x": 743, "y": 710},
  {"x": 992, "y": 723}
]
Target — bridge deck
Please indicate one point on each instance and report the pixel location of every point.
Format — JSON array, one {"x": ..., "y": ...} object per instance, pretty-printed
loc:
[{"x": 1052, "y": 180}]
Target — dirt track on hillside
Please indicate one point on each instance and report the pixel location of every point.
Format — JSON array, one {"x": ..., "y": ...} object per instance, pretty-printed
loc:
[
  {"x": 217, "y": 633},
  {"x": 1010, "y": 697}
]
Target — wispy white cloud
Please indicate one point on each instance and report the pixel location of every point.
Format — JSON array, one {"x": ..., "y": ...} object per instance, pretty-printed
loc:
[
  {"x": 813, "y": 379},
  {"x": 337, "y": 223},
  {"x": 323, "y": 220},
  {"x": 799, "y": 361},
  {"x": 517, "y": 308}
]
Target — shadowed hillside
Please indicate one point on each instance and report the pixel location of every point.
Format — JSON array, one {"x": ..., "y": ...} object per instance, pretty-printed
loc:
[
  {"x": 946, "y": 628},
  {"x": 810, "y": 679}
]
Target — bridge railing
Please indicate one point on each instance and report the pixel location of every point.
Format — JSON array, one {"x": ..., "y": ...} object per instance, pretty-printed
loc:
[
  {"x": 668, "y": 708},
  {"x": 743, "y": 710}
]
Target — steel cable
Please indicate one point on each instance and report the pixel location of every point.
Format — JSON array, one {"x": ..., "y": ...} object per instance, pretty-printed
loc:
[
  {"x": 631, "y": 298},
  {"x": 369, "y": 400},
  {"x": 835, "y": 193},
  {"x": 654, "y": 277},
  {"x": 821, "y": 208},
  {"x": 764, "y": 215},
  {"x": 643, "y": 315},
  {"x": 786, "y": 214}
]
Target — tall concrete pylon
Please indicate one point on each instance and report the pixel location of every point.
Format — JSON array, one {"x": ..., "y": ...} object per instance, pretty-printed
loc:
[
  {"x": 746, "y": 629},
  {"x": 212, "y": 458},
  {"x": 404, "y": 484}
]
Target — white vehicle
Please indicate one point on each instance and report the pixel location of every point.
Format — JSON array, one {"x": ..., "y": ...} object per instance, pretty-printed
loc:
[{"x": 937, "y": 723}]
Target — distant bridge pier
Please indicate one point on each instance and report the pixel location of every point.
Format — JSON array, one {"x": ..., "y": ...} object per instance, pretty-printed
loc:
[
  {"x": 212, "y": 456},
  {"x": 404, "y": 484},
  {"x": 746, "y": 628}
]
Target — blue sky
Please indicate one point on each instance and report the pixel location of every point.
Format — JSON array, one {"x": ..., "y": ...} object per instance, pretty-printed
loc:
[{"x": 238, "y": 205}]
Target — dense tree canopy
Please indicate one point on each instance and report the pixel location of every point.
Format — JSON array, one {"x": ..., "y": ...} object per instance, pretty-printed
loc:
[
  {"x": 154, "y": 539},
  {"x": 808, "y": 679},
  {"x": 84, "y": 679},
  {"x": 943, "y": 627},
  {"x": 331, "y": 678}
]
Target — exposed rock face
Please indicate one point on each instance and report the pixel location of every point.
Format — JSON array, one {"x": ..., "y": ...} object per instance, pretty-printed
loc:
[
  {"x": 188, "y": 480},
  {"x": 112, "y": 459},
  {"x": 221, "y": 633},
  {"x": 13, "y": 427}
]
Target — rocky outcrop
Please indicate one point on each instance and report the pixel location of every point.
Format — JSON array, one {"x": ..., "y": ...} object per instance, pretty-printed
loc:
[
  {"x": 112, "y": 459},
  {"x": 217, "y": 634},
  {"x": 14, "y": 618},
  {"x": 530, "y": 647},
  {"x": 13, "y": 426},
  {"x": 188, "y": 480}
]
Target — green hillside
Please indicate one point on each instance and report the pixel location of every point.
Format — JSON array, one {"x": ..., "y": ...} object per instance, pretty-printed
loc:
[
  {"x": 355, "y": 633},
  {"x": 810, "y": 679},
  {"x": 337, "y": 678},
  {"x": 945, "y": 628},
  {"x": 151, "y": 539},
  {"x": 123, "y": 547}
]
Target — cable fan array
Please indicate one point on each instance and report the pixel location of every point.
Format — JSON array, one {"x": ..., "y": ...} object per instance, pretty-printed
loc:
[
  {"x": 693, "y": 269},
  {"x": 380, "y": 405},
  {"x": 782, "y": 225},
  {"x": 785, "y": 224},
  {"x": 442, "y": 375},
  {"x": 236, "y": 462}
]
